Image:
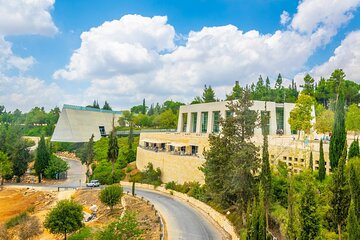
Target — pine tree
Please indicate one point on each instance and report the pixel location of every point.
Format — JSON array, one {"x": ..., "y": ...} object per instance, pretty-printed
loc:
[
  {"x": 208, "y": 95},
  {"x": 236, "y": 92},
  {"x": 322, "y": 169},
  {"x": 340, "y": 193},
  {"x": 143, "y": 110},
  {"x": 106, "y": 106},
  {"x": 338, "y": 137},
  {"x": 311, "y": 162},
  {"x": 353, "y": 223},
  {"x": 308, "y": 87},
  {"x": 309, "y": 217},
  {"x": 42, "y": 158},
  {"x": 113, "y": 150},
  {"x": 354, "y": 150},
  {"x": 87, "y": 157}
]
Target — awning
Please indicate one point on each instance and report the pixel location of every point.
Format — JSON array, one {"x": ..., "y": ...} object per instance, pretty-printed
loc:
[
  {"x": 193, "y": 144},
  {"x": 154, "y": 141},
  {"x": 177, "y": 144}
]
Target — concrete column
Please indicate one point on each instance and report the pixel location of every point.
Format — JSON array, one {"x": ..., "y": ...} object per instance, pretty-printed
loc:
[
  {"x": 188, "y": 126},
  {"x": 198, "y": 123},
  {"x": 210, "y": 122}
]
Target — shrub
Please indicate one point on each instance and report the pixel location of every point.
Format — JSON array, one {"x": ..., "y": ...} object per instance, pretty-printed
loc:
[
  {"x": 111, "y": 195},
  {"x": 20, "y": 218},
  {"x": 126, "y": 227},
  {"x": 66, "y": 217},
  {"x": 56, "y": 166},
  {"x": 151, "y": 176},
  {"x": 84, "y": 233},
  {"x": 30, "y": 228},
  {"x": 102, "y": 172}
]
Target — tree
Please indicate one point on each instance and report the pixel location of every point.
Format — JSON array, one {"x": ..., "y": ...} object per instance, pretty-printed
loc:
[
  {"x": 308, "y": 87},
  {"x": 257, "y": 219},
  {"x": 291, "y": 230},
  {"x": 325, "y": 121},
  {"x": 66, "y": 217},
  {"x": 353, "y": 118},
  {"x": 143, "y": 110},
  {"x": 56, "y": 166},
  {"x": 94, "y": 105},
  {"x": 309, "y": 217},
  {"x": 20, "y": 158},
  {"x": 265, "y": 167},
  {"x": 353, "y": 221},
  {"x": 197, "y": 100},
  {"x": 111, "y": 195},
  {"x": 124, "y": 228},
  {"x": 322, "y": 170},
  {"x": 354, "y": 150},
  {"x": 338, "y": 137},
  {"x": 300, "y": 115},
  {"x": 340, "y": 200},
  {"x": 166, "y": 120},
  {"x": 106, "y": 106},
  {"x": 208, "y": 95},
  {"x": 232, "y": 158},
  {"x": 87, "y": 157},
  {"x": 42, "y": 158},
  {"x": 236, "y": 92},
  {"x": 311, "y": 162},
  {"x": 5, "y": 166},
  {"x": 113, "y": 150}
]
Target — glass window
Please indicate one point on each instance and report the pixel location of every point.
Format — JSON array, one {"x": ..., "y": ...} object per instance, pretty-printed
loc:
[
  {"x": 204, "y": 121},
  {"x": 184, "y": 122},
  {"x": 216, "y": 121},
  {"x": 280, "y": 120},
  {"x": 194, "y": 150},
  {"x": 193, "y": 121}
]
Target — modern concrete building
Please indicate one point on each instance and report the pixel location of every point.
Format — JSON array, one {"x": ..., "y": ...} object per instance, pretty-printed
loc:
[
  {"x": 180, "y": 155},
  {"x": 77, "y": 124}
]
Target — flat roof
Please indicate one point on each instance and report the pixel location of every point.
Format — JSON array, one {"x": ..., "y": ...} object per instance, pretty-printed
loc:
[{"x": 68, "y": 106}]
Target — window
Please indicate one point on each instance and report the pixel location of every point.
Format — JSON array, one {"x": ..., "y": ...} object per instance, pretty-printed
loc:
[
  {"x": 290, "y": 158},
  {"x": 284, "y": 158},
  {"x": 194, "y": 150},
  {"x": 302, "y": 160},
  {"x": 184, "y": 121},
  {"x": 295, "y": 159},
  {"x": 102, "y": 131},
  {"x": 280, "y": 119},
  {"x": 216, "y": 121},
  {"x": 204, "y": 122},
  {"x": 193, "y": 121}
]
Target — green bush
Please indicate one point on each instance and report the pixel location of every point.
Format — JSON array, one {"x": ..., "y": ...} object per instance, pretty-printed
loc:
[
  {"x": 102, "y": 172},
  {"x": 151, "y": 176},
  {"x": 193, "y": 189},
  {"x": 82, "y": 234},
  {"x": 18, "y": 219},
  {"x": 56, "y": 166},
  {"x": 111, "y": 195}
]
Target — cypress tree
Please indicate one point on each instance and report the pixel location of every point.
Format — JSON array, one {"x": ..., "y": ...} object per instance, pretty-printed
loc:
[
  {"x": 354, "y": 150},
  {"x": 309, "y": 217},
  {"x": 338, "y": 137},
  {"x": 353, "y": 225},
  {"x": 311, "y": 162},
  {"x": 42, "y": 158},
  {"x": 257, "y": 228},
  {"x": 113, "y": 150},
  {"x": 322, "y": 170},
  {"x": 143, "y": 110},
  {"x": 262, "y": 214},
  {"x": 291, "y": 230},
  {"x": 340, "y": 194}
]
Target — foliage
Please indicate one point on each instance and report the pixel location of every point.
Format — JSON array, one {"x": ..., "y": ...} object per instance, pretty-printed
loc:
[
  {"x": 280, "y": 184},
  {"x": 166, "y": 119},
  {"x": 207, "y": 96},
  {"x": 232, "y": 158},
  {"x": 292, "y": 230},
  {"x": 151, "y": 176},
  {"x": 236, "y": 92},
  {"x": 5, "y": 166},
  {"x": 113, "y": 151},
  {"x": 111, "y": 195},
  {"x": 20, "y": 158},
  {"x": 18, "y": 219},
  {"x": 353, "y": 221},
  {"x": 309, "y": 217},
  {"x": 353, "y": 118},
  {"x": 102, "y": 172},
  {"x": 87, "y": 156},
  {"x": 82, "y": 234},
  {"x": 30, "y": 228},
  {"x": 265, "y": 178},
  {"x": 340, "y": 200},
  {"x": 311, "y": 162},
  {"x": 125, "y": 228},
  {"x": 256, "y": 223},
  {"x": 325, "y": 121},
  {"x": 354, "y": 150},
  {"x": 193, "y": 189},
  {"x": 66, "y": 217},
  {"x": 322, "y": 169},
  {"x": 42, "y": 158},
  {"x": 308, "y": 87},
  {"x": 338, "y": 137},
  {"x": 300, "y": 115},
  {"x": 106, "y": 106},
  {"x": 56, "y": 166}
]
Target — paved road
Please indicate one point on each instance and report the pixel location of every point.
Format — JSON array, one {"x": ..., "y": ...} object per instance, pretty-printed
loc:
[
  {"x": 182, "y": 221},
  {"x": 76, "y": 173}
]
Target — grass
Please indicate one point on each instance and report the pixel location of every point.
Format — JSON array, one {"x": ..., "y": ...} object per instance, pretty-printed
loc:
[
  {"x": 84, "y": 233},
  {"x": 18, "y": 219}
]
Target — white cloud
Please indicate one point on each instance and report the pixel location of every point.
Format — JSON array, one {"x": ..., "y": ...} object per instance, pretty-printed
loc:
[
  {"x": 26, "y": 92},
  {"x": 327, "y": 14},
  {"x": 346, "y": 57},
  {"x": 284, "y": 18},
  {"x": 26, "y": 17}
]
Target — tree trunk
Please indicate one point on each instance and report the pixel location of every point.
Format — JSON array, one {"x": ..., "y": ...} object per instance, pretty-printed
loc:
[
  {"x": 133, "y": 189},
  {"x": 2, "y": 180},
  {"x": 339, "y": 231},
  {"x": 87, "y": 173},
  {"x": 112, "y": 169},
  {"x": 65, "y": 235},
  {"x": 298, "y": 134},
  {"x": 39, "y": 176}
]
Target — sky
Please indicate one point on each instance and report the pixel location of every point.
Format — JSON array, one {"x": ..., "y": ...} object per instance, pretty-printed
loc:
[{"x": 73, "y": 52}]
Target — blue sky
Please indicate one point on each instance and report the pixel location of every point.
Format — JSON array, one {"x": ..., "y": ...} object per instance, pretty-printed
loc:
[{"x": 64, "y": 52}]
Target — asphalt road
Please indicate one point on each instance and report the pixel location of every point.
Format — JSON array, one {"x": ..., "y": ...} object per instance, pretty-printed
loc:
[{"x": 182, "y": 221}]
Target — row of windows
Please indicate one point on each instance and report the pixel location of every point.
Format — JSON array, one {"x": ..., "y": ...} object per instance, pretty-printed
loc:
[{"x": 204, "y": 118}]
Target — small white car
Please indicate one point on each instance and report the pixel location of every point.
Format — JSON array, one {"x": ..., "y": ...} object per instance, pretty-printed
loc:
[{"x": 93, "y": 183}]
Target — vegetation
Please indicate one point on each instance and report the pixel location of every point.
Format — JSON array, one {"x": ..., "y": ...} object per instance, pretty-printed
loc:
[
  {"x": 324, "y": 121},
  {"x": 87, "y": 156},
  {"x": 126, "y": 227},
  {"x": 354, "y": 150},
  {"x": 193, "y": 189},
  {"x": 42, "y": 158},
  {"x": 66, "y": 217},
  {"x": 111, "y": 195},
  {"x": 322, "y": 169},
  {"x": 113, "y": 151},
  {"x": 5, "y": 167},
  {"x": 353, "y": 118},
  {"x": 300, "y": 116},
  {"x": 56, "y": 167},
  {"x": 151, "y": 176}
]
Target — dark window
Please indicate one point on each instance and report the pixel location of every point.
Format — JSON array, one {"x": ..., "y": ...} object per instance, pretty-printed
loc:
[{"x": 102, "y": 131}]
